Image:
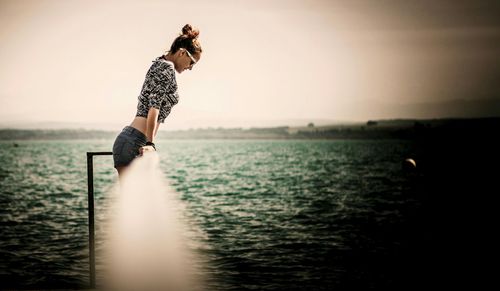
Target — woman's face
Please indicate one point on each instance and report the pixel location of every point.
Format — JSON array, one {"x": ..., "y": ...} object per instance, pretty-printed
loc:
[{"x": 186, "y": 60}]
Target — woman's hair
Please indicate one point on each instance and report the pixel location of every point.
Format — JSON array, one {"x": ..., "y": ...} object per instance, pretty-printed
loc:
[{"x": 187, "y": 40}]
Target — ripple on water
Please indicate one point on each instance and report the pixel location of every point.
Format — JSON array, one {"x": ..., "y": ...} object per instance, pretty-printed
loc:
[{"x": 267, "y": 215}]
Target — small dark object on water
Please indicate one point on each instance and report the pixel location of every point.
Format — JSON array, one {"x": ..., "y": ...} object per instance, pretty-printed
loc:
[{"x": 15, "y": 145}]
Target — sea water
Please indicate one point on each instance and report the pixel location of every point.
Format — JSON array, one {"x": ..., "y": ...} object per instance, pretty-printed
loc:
[{"x": 261, "y": 214}]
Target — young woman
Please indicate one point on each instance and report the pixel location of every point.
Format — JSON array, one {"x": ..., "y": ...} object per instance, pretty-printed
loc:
[{"x": 158, "y": 96}]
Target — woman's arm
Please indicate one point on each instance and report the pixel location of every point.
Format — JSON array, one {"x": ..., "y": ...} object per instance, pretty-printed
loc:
[
  {"x": 151, "y": 127},
  {"x": 151, "y": 123},
  {"x": 156, "y": 129}
]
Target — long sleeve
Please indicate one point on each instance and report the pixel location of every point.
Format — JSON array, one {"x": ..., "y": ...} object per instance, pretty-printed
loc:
[{"x": 159, "y": 90}]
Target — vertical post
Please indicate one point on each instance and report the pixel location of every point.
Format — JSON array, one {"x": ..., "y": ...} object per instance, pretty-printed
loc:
[{"x": 90, "y": 179}]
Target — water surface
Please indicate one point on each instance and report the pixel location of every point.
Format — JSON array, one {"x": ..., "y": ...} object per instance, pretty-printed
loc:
[{"x": 270, "y": 215}]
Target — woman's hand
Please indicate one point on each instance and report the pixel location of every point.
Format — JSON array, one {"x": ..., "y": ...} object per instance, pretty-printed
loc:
[{"x": 145, "y": 149}]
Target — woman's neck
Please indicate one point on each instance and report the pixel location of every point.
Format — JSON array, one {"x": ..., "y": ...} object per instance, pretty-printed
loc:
[{"x": 169, "y": 57}]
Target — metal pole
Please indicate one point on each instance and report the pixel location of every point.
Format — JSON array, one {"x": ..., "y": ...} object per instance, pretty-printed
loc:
[{"x": 90, "y": 181}]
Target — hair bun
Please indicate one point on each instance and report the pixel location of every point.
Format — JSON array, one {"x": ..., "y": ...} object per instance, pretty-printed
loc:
[{"x": 190, "y": 32}]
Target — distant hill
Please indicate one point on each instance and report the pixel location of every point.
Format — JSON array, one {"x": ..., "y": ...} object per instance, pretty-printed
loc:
[
  {"x": 458, "y": 108},
  {"x": 205, "y": 123},
  {"x": 48, "y": 125},
  {"x": 373, "y": 129}
]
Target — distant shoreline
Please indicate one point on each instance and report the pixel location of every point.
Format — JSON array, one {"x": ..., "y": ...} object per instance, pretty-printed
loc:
[{"x": 373, "y": 129}]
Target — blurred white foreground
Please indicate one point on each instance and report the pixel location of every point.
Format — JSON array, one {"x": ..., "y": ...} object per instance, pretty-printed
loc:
[{"x": 146, "y": 249}]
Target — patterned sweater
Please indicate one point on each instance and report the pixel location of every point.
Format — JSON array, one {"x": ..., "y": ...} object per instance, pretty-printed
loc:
[{"x": 159, "y": 89}]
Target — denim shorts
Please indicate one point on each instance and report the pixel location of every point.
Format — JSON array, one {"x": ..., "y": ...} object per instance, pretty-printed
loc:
[{"x": 126, "y": 146}]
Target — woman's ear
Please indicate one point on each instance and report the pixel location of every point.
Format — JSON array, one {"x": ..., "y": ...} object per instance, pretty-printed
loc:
[{"x": 178, "y": 53}]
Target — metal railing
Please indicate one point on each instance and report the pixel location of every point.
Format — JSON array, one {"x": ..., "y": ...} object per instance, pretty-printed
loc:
[{"x": 90, "y": 181}]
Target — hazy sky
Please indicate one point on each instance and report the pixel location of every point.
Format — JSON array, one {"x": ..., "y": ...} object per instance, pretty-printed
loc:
[{"x": 264, "y": 62}]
